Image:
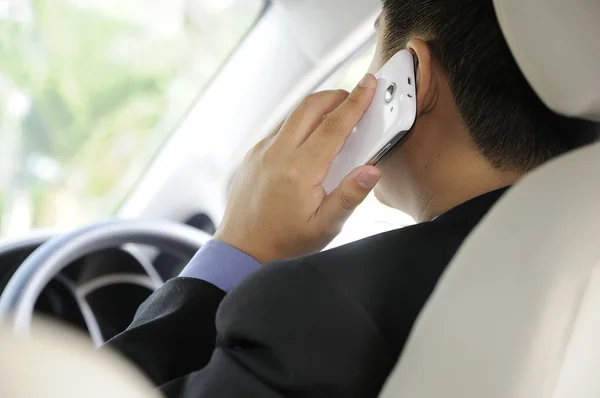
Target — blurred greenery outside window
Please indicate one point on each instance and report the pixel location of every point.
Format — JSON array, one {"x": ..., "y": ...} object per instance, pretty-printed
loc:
[{"x": 90, "y": 90}]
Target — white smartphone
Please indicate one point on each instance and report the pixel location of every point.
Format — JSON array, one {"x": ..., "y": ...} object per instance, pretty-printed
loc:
[{"x": 390, "y": 116}]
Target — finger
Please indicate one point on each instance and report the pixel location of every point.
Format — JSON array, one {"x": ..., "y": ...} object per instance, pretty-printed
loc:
[
  {"x": 303, "y": 121},
  {"x": 268, "y": 139},
  {"x": 328, "y": 139},
  {"x": 352, "y": 191}
]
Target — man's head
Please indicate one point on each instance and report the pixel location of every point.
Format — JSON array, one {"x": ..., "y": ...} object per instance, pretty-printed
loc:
[{"x": 479, "y": 125}]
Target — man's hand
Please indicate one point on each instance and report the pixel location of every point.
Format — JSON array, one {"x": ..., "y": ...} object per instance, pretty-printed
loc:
[{"x": 278, "y": 208}]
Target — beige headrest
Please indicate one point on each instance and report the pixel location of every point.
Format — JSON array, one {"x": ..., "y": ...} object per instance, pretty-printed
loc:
[{"x": 555, "y": 42}]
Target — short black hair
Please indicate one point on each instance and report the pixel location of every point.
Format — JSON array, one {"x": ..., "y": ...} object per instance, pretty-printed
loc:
[{"x": 506, "y": 120}]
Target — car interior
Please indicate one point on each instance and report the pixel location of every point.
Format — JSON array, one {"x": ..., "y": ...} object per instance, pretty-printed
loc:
[
  {"x": 171, "y": 208},
  {"x": 507, "y": 319}
]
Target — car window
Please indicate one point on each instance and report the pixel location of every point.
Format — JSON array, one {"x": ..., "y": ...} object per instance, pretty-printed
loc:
[
  {"x": 371, "y": 217},
  {"x": 90, "y": 90}
]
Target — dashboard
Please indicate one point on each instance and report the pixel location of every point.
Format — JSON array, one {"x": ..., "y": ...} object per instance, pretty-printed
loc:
[{"x": 98, "y": 293}]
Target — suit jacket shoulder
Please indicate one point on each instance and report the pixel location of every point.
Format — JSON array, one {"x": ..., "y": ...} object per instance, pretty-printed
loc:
[{"x": 392, "y": 275}]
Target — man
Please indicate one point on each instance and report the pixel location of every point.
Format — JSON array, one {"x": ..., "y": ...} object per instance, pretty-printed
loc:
[{"x": 334, "y": 323}]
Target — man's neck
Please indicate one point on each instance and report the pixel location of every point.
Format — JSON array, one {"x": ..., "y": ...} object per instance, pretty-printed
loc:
[{"x": 452, "y": 186}]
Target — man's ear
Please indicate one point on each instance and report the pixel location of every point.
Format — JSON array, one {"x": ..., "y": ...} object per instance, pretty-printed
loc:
[{"x": 427, "y": 82}]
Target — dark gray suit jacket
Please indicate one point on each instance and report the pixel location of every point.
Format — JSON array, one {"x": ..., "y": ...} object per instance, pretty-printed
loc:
[{"x": 327, "y": 325}]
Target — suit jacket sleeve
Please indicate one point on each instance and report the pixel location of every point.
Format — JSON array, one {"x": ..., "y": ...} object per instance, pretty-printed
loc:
[
  {"x": 287, "y": 331},
  {"x": 173, "y": 332}
]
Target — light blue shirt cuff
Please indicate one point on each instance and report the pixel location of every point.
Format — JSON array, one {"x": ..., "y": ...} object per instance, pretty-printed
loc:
[{"x": 221, "y": 265}]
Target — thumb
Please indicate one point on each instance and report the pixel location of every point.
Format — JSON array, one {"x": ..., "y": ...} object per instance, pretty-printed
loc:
[{"x": 352, "y": 191}]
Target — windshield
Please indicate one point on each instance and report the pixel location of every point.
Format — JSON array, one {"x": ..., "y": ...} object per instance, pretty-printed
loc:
[{"x": 90, "y": 90}]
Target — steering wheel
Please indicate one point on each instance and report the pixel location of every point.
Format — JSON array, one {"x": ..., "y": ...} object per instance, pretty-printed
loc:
[{"x": 20, "y": 295}]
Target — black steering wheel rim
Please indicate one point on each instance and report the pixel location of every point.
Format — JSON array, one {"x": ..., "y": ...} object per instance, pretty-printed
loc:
[{"x": 45, "y": 263}]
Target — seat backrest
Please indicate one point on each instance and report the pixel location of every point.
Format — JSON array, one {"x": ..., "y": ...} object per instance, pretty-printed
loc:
[{"x": 517, "y": 314}]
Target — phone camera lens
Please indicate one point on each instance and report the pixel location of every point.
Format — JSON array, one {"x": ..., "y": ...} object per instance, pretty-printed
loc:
[{"x": 390, "y": 93}]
